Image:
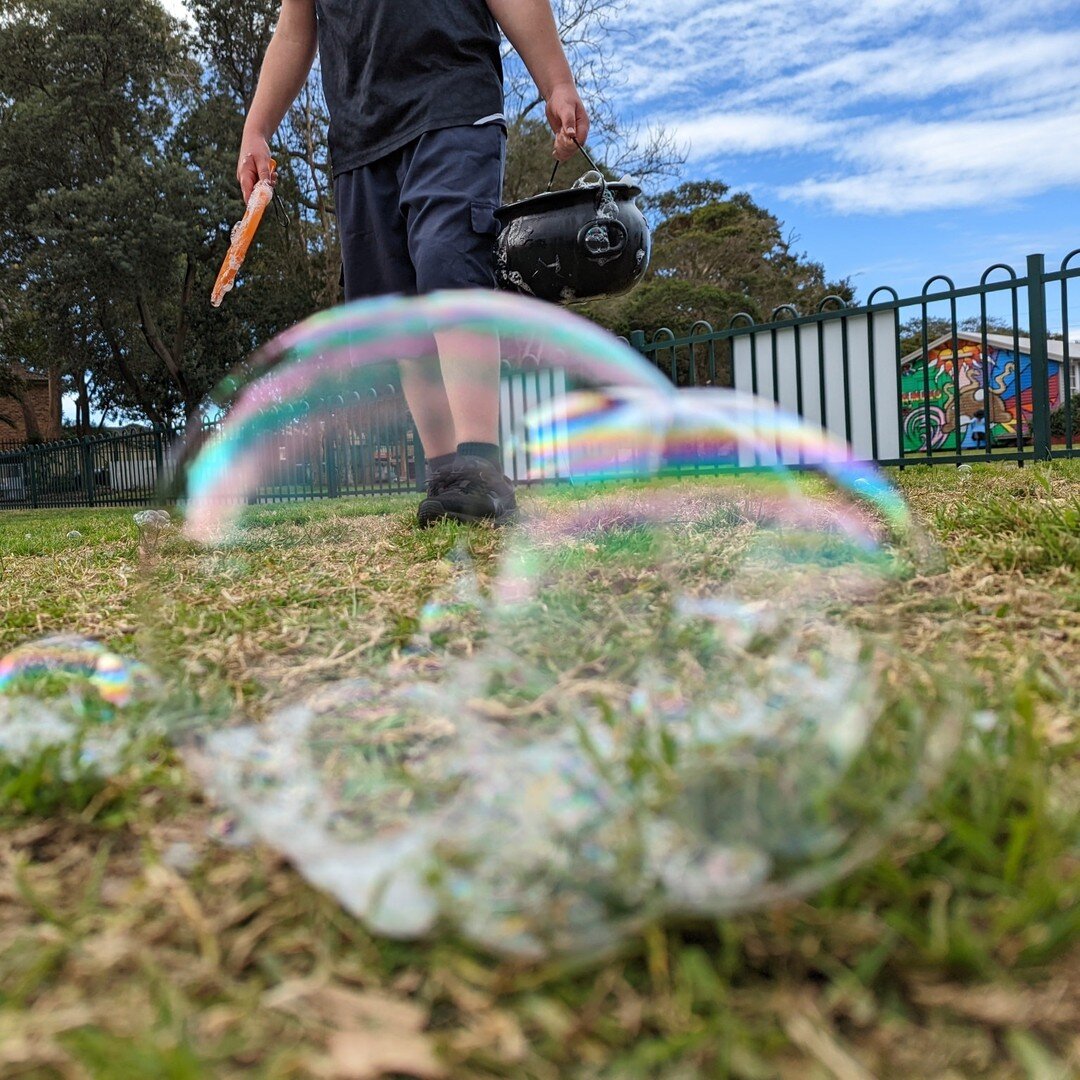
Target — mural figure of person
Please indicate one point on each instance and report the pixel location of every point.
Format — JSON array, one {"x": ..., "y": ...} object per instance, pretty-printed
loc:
[{"x": 975, "y": 432}]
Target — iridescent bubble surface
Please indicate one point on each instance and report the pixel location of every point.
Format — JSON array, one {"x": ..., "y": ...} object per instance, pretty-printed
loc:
[
  {"x": 72, "y": 694},
  {"x": 65, "y": 660},
  {"x": 670, "y": 690}
]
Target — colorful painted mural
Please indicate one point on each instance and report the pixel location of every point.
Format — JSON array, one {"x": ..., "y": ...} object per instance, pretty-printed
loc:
[{"x": 993, "y": 393}]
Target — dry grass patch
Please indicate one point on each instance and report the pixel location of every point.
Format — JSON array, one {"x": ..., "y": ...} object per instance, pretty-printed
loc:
[{"x": 133, "y": 944}]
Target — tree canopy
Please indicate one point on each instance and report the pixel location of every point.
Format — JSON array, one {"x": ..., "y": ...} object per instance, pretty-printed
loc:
[
  {"x": 117, "y": 152},
  {"x": 119, "y": 130},
  {"x": 716, "y": 254}
]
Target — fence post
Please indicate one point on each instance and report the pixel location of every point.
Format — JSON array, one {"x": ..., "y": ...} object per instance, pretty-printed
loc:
[
  {"x": 419, "y": 459},
  {"x": 1040, "y": 363},
  {"x": 332, "y": 487},
  {"x": 86, "y": 459},
  {"x": 159, "y": 457},
  {"x": 31, "y": 468},
  {"x": 637, "y": 340}
]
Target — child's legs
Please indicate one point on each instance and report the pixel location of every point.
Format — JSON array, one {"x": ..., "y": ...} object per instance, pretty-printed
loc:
[
  {"x": 425, "y": 394},
  {"x": 375, "y": 261},
  {"x": 419, "y": 220},
  {"x": 451, "y": 184}
]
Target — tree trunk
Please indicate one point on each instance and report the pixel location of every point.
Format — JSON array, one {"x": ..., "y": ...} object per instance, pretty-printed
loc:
[
  {"x": 30, "y": 422},
  {"x": 56, "y": 406},
  {"x": 312, "y": 132},
  {"x": 153, "y": 414},
  {"x": 82, "y": 404},
  {"x": 163, "y": 352}
]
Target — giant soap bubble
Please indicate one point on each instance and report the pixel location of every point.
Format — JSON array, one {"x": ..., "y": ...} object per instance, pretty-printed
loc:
[{"x": 672, "y": 690}]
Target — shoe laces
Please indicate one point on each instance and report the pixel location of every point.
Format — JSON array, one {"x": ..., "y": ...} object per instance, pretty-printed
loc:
[
  {"x": 460, "y": 476},
  {"x": 467, "y": 476}
]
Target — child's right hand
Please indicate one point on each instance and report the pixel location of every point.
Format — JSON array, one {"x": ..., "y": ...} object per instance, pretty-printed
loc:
[
  {"x": 254, "y": 164},
  {"x": 568, "y": 119}
]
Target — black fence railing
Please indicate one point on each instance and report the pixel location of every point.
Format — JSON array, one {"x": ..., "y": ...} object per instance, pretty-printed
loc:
[
  {"x": 367, "y": 448},
  {"x": 114, "y": 469}
]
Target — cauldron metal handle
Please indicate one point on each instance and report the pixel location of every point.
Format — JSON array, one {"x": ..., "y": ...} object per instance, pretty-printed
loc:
[
  {"x": 607, "y": 226},
  {"x": 596, "y": 169}
]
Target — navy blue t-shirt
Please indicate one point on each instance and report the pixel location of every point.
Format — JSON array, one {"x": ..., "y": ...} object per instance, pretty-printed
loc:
[{"x": 394, "y": 69}]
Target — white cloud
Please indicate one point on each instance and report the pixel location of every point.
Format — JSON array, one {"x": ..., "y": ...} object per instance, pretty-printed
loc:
[
  {"x": 904, "y": 104},
  {"x": 907, "y": 166},
  {"x": 751, "y": 132},
  {"x": 908, "y": 70}
]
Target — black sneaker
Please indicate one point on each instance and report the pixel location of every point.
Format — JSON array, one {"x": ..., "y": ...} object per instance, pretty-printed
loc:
[
  {"x": 471, "y": 489},
  {"x": 436, "y": 481}
]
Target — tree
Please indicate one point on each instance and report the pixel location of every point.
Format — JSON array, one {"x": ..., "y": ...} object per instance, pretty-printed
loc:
[
  {"x": 232, "y": 38},
  {"x": 911, "y": 331},
  {"x": 715, "y": 255},
  {"x": 20, "y": 352},
  {"x": 586, "y": 29},
  {"x": 529, "y": 164},
  {"x": 113, "y": 239},
  {"x": 108, "y": 224}
]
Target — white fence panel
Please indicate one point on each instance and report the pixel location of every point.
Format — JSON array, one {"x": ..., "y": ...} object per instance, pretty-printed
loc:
[
  {"x": 526, "y": 396},
  {"x": 133, "y": 474},
  {"x": 793, "y": 363}
]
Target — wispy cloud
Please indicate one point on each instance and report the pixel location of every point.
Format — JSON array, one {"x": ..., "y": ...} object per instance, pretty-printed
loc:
[
  {"x": 752, "y": 132},
  {"x": 905, "y": 104},
  {"x": 907, "y": 166}
]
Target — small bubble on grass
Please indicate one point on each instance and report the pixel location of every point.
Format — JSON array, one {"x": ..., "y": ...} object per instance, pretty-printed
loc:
[
  {"x": 73, "y": 694},
  {"x": 152, "y": 519}
]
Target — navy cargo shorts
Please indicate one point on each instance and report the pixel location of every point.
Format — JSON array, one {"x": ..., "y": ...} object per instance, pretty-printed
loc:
[{"x": 423, "y": 217}]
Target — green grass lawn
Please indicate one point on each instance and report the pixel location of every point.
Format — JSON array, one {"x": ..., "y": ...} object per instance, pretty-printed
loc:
[{"x": 135, "y": 944}]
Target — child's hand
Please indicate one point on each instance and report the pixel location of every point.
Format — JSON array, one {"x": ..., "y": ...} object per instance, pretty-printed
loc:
[
  {"x": 568, "y": 119},
  {"x": 255, "y": 164}
]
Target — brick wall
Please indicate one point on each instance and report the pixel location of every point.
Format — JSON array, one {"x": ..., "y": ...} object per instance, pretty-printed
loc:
[{"x": 41, "y": 395}]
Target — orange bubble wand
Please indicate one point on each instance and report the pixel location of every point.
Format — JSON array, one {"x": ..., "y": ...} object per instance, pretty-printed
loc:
[{"x": 243, "y": 233}]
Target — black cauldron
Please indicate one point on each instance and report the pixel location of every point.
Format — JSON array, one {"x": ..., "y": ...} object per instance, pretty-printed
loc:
[{"x": 579, "y": 244}]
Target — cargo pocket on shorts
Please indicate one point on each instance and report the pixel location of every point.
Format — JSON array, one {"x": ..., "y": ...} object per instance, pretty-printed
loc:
[
  {"x": 485, "y": 227},
  {"x": 484, "y": 222}
]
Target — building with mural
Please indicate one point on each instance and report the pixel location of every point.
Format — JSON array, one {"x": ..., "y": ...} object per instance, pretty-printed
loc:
[{"x": 978, "y": 395}]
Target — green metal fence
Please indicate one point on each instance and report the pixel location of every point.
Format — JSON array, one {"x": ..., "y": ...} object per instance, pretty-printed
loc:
[
  {"x": 365, "y": 447},
  {"x": 114, "y": 469},
  {"x": 948, "y": 376}
]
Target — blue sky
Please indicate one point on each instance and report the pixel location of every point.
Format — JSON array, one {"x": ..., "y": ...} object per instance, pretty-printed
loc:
[{"x": 897, "y": 139}]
